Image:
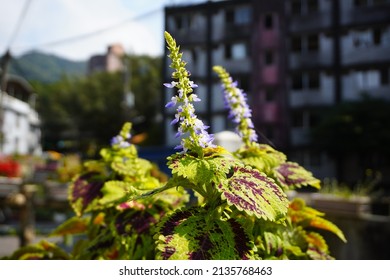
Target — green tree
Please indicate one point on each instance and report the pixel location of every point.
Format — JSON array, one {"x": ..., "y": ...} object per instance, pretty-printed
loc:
[
  {"x": 356, "y": 128},
  {"x": 83, "y": 113}
]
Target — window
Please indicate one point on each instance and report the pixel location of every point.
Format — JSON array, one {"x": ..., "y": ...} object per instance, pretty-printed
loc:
[
  {"x": 296, "y": 44},
  {"x": 368, "y": 79},
  {"x": 228, "y": 51},
  {"x": 194, "y": 55},
  {"x": 312, "y": 42},
  {"x": 229, "y": 16},
  {"x": 296, "y": 7},
  {"x": 244, "y": 84},
  {"x": 312, "y": 6},
  {"x": 384, "y": 76},
  {"x": 297, "y": 119},
  {"x": 242, "y": 15},
  {"x": 270, "y": 94},
  {"x": 268, "y": 21},
  {"x": 309, "y": 80},
  {"x": 269, "y": 58},
  {"x": 239, "y": 51},
  {"x": 179, "y": 23},
  {"x": 360, "y": 3},
  {"x": 236, "y": 51},
  {"x": 296, "y": 81},
  {"x": 377, "y": 34},
  {"x": 313, "y": 80}
]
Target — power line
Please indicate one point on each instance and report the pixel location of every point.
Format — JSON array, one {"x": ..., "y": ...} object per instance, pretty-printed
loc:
[
  {"x": 94, "y": 33},
  {"x": 19, "y": 23}
]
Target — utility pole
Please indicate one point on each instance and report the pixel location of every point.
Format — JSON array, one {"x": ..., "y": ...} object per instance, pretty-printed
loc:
[{"x": 3, "y": 87}]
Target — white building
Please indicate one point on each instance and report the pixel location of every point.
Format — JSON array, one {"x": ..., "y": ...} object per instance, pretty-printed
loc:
[{"x": 21, "y": 125}]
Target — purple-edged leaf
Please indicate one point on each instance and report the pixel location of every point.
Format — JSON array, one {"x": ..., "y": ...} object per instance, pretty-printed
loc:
[
  {"x": 254, "y": 193},
  {"x": 84, "y": 191},
  {"x": 191, "y": 234},
  {"x": 132, "y": 221},
  {"x": 317, "y": 247},
  {"x": 291, "y": 175}
]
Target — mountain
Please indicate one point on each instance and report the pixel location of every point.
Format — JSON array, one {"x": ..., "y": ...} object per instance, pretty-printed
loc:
[{"x": 46, "y": 68}]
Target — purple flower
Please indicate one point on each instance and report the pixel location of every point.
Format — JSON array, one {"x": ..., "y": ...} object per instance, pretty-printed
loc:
[{"x": 235, "y": 100}]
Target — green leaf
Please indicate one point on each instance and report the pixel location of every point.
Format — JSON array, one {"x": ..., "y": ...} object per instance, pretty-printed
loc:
[
  {"x": 74, "y": 225},
  {"x": 291, "y": 175},
  {"x": 254, "y": 193},
  {"x": 113, "y": 191},
  {"x": 261, "y": 156},
  {"x": 194, "y": 234},
  {"x": 273, "y": 244},
  {"x": 43, "y": 250},
  {"x": 131, "y": 167},
  {"x": 212, "y": 168}
]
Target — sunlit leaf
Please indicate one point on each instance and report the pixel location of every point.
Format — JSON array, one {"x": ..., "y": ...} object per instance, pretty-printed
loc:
[
  {"x": 194, "y": 234},
  {"x": 113, "y": 191},
  {"x": 254, "y": 193},
  {"x": 212, "y": 168},
  {"x": 291, "y": 175},
  {"x": 131, "y": 167},
  {"x": 261, "y": 156}
]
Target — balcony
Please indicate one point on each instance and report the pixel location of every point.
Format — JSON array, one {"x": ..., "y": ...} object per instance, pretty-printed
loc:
[
  {"x": 364, "y": 15},
  {"x": 231, "y": 32},
  {"x": 310, "y": 22},
  {"x": 382, "y": 92},
  {"x": 370, "y": 54},
  {"x": 239, "y": 65},
  {"x": 189, "y": 36},
  {"x": 307, "y": 97},
  {"x": 310, "y": 59}
]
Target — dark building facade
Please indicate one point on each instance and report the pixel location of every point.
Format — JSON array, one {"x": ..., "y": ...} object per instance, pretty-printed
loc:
[{"x": 295, "y": 59}]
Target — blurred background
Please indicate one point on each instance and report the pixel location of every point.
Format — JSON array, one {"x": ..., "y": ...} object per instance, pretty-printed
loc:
[{"x": 316, "y": 73}]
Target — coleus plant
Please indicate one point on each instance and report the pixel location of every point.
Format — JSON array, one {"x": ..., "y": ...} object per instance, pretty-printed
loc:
[
  {"x": 228, "y": 190},
  {"x": 106, "y": 225},
  {"x": 295, "y": 238},
  {"x": 123, "y": 211}
]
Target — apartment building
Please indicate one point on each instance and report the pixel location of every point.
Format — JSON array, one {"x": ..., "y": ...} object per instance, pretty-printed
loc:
[
  {"x": 21, "y": 124},
  {"x": 295, "y": 59},
  {"x": 337, "y": 50},
  {"x": 111, "y": 61}
]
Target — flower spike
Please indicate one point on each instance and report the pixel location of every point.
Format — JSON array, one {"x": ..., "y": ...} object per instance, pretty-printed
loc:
[
  {"x": 122, "y": 140},
  {"x": 236, "y": 102},
  {"x": 189, "y": 124}
]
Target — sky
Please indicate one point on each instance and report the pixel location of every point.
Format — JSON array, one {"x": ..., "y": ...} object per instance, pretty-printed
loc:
[{"x": 59, "y": 26}]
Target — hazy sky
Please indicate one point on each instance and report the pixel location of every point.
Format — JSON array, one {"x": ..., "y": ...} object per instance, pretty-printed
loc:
[{"x": 55, "y": 21}]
